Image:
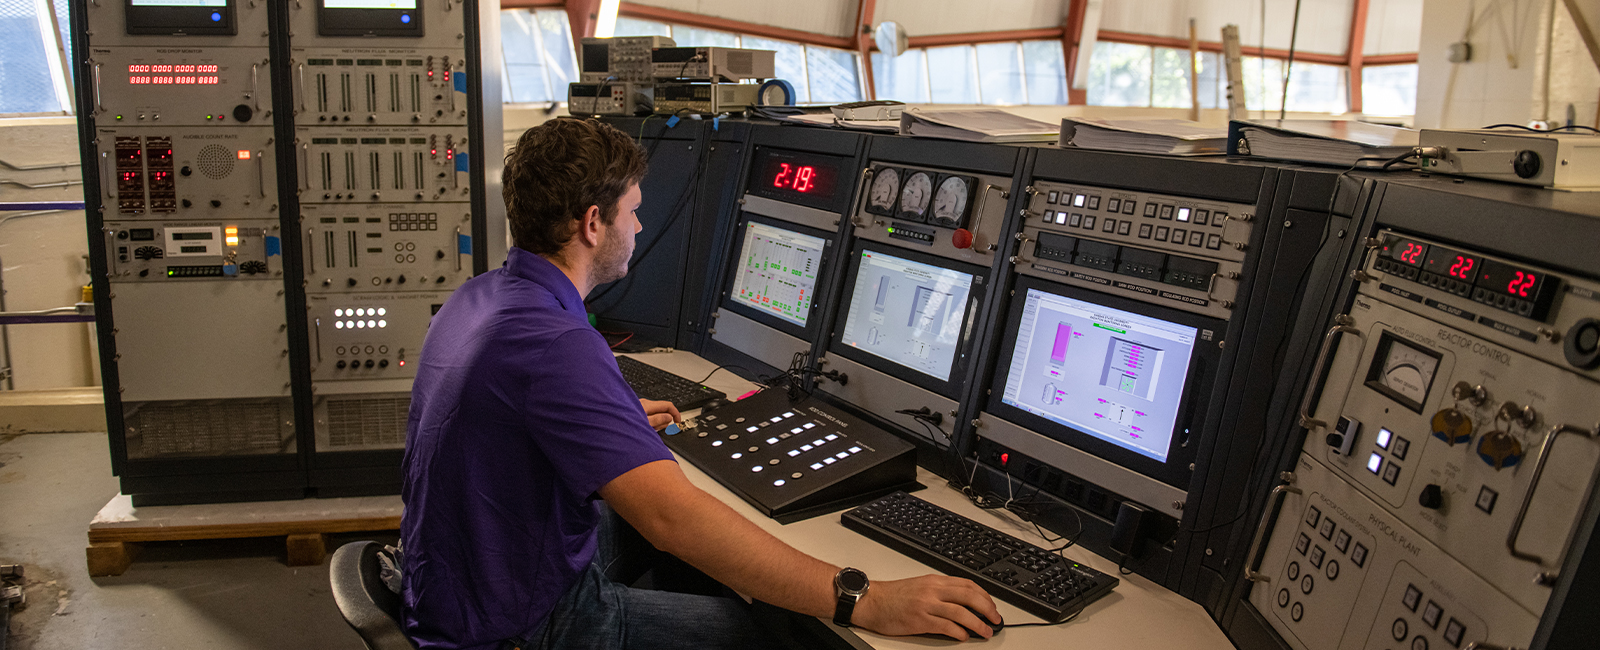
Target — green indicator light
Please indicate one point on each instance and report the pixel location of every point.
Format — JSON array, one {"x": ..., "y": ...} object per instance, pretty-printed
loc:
[
  {"x": 208, "y": 117},
  {"x": 891, "y": 229},
  {"x": 119, "y": 117},
  {"x": 169, "y": 273}
]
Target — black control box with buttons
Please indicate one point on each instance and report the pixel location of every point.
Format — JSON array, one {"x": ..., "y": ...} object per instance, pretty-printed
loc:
[{"x": 794, "y": 460}]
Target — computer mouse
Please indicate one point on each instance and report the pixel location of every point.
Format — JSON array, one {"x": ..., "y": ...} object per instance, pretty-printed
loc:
[{"x": 971, "y": 635}]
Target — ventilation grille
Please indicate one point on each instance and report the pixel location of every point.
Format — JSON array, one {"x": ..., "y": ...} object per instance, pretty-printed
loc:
[
  {"x": 367, "y": 422},
  {"x": 227, "y": 428},
  {"x": 741, "y": 62},
  {"x": 215, "y": 161}
]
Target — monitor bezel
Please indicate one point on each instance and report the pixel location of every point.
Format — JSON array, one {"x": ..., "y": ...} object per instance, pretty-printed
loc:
[
  {"x": 188, "y": 21},
  {"x": 368, "y": 22},
  {"x": 736, "y": 251},
  {"x": 951, "y": 388},
  {"x": 1204, "y": 360}
]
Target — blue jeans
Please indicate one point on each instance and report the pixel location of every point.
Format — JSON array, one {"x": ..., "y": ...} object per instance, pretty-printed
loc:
[{"x": 601, "y": 613}]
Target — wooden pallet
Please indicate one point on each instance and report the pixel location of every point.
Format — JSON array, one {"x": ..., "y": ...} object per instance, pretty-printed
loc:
[{"x": 119, "y": 528}]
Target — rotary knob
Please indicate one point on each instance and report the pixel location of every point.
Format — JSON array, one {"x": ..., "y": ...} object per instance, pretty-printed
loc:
[{"x": 1432, "y": 497}]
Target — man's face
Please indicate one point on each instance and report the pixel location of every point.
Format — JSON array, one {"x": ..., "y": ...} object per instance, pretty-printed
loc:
[{"x": 611, "y": 260}]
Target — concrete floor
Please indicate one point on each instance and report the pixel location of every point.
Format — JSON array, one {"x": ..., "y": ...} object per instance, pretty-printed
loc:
[{"x": 209, "y": 595}]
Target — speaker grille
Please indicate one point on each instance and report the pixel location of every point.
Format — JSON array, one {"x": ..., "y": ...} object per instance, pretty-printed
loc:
[
  {"x": 212, "y": 428},
  {"x": 215, "y": 161},
  {"x": 368, "y": 421}
]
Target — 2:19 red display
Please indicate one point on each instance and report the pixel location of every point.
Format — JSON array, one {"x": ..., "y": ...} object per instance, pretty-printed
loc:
[{"x": 800, "y": 178}]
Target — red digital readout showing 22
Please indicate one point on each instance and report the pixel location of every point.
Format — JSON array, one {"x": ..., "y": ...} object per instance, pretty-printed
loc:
[
  {"x": 170, "y": 74},
  {"x": 1462, "y": 268},
  {"x": 798, "y": 179},
  {"x": 1520, "y": 283},
  {"x": 1412, "y": 254}
]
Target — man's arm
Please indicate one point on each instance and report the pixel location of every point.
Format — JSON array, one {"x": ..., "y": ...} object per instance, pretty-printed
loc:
[{"x": 681, "y": 519}]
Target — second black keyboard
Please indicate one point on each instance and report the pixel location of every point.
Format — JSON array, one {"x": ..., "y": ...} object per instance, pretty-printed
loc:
[
  {"x": 1036, "y": 580},
  {"x": 650, "y": 382}
]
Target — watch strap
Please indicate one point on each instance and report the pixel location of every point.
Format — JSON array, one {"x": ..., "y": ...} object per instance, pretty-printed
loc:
[{"x": 843, "y": 609}]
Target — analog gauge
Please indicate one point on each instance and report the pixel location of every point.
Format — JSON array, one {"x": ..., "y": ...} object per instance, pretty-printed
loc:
[
  {"x": 885, "y": 189},
  {"x": 1405, "y": 373},
  {"x": 915, "y": 195},
  {"x": 952, "y": 201}
]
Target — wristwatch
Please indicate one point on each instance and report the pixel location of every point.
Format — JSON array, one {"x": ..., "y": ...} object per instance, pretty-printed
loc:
[{"x": 849, "y": 585}]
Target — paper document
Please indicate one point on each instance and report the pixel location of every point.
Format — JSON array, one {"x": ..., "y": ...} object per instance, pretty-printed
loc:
[
  {"x": 979, "y": 125},
  {"x": 1164, "y": 137}
]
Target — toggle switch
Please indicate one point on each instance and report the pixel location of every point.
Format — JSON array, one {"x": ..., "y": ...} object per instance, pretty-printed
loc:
[{"x": 1343, "y": 436}]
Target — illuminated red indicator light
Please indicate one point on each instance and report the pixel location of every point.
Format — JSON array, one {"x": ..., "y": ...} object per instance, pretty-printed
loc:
[
  {"x": 402, "y": 363},
  {"x": 244, "y": 154},
  {"x": 1005, "y": 458}
]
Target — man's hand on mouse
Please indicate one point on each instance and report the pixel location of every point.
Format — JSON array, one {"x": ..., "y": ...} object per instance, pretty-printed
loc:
[
  {"x": 660, "y": 413},
  {"x": 931, "y": 604}
]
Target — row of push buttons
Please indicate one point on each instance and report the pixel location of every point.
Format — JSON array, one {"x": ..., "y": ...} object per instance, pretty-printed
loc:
[
  {"x": 775, "y": 439},
  {"x": 1454, "y": 630},
  {"x": 1179, "y": 236},
  {"x": 1091, "y": 202}
]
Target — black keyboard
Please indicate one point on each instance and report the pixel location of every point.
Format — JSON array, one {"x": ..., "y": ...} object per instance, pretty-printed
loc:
[
  {"x": 650, "y": 382},
  {"x": 1040, "y": 582}
]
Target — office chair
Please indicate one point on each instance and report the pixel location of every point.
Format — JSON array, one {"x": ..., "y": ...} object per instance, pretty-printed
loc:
[{"x": 364, "y": 601}]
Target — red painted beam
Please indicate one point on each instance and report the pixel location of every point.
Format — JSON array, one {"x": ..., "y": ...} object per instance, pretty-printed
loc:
[
  {"x": 647, "y": 12},
  {"x": 864, "y": 13},
  {"x": 1071, "y": 45},
  {"x": 974, "y": 38},
  {"x": 1214, "y": 46},
  {"x": 530, "y": 4},
  {"x": 1388, "y": 59},
  {"x": 582, "y": 15}
]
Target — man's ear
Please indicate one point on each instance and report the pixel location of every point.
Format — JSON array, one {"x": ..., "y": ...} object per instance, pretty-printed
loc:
[{"x": 589, "y": 227}]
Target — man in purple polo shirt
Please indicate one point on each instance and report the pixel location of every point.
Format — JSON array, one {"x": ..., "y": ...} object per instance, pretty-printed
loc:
[{"x": 521, "y": 424}]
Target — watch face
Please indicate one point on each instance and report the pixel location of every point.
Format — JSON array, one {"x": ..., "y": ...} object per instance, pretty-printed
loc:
[{"x": 852, "y": 580}]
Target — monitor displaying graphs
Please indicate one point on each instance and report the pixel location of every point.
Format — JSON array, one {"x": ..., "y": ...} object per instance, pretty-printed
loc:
[
  {"x": 1113, "y": 374},
  {"x": 777, "y": 272},
  {"x": 908, "y": 312}
]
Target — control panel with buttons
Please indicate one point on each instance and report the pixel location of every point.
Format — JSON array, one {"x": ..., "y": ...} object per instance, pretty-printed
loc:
[
  {"x": 187, "y": 172},
  {"x": 383, "y": 164},
  {"x": 156, "y": 86},
  {"x": 360, "y": 340},
  {"x": 792, "y": 459},
  {"x": 379, "y": 86},
  {"x": 1457, "y": 422},
  {"x": 163, "y": 251},
  {"x": 386, "y": 247},
  {"x": 1182, "y": 252}
]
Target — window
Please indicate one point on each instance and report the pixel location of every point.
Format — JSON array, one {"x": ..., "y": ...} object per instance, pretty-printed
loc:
[
  {"x": 1126, "y": 74},
  {"x": 1007, "y": 73},
  {"x": 818, "y": 74},
  {"x": 1389, "y": 90},
  {"x": 33, "y": 78},
  {"x": 539, "y": 60}
]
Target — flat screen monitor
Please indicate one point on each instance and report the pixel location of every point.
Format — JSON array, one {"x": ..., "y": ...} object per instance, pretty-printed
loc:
[
  {"x": 188, "y": 17},
  {"x": 369, "y": 17},
  {"x": 1111, "y": 376},
  {"x": 775, "y": 274},
  {"x": 909, "y": 315}
]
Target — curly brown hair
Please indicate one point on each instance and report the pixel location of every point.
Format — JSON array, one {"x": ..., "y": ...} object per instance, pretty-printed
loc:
[{"x": 560, "y": 168}]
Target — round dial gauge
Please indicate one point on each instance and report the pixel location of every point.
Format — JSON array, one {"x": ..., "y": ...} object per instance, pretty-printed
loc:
[
  {"x": 915, "y": 195},
  {"x": 1408, "y": 372},
  {"x": 950, "y": 202},
  {"x": 884, "y": 187}
]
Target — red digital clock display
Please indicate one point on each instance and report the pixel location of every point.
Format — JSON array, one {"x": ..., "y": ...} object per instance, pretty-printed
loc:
[
  {"x": 1452, "y": 264},
  {"x": 800, "y": 178},
  {"x": 786, "y": 175}
]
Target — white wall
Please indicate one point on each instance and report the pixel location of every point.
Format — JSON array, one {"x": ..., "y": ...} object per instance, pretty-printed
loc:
[
  {"x": 43, "y": 256},
  {"x": 1505, "y": 80},
  {"x": 928, "y": 17},
  {"x": 1393, "y": 26},
  {"x": 1324, "y": 24},
  {"x": 831, "y": 17}
]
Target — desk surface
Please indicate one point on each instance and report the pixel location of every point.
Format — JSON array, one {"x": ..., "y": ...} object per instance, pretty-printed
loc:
[{"x": 1138, "y": 614}]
